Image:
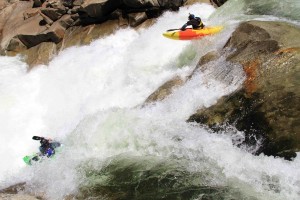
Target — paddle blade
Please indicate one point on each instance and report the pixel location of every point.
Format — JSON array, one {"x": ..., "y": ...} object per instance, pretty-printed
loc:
[
  {"x": 37, "y": 138},
  {"x": 27, "y": 160}
]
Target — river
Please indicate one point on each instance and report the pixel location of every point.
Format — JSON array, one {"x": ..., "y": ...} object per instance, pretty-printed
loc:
[{"x": 91, "y": 99}]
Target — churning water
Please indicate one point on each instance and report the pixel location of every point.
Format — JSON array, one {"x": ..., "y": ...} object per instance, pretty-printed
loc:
[{"x": 90, "y": 98}]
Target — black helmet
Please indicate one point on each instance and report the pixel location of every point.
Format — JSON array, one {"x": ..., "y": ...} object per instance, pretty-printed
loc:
[
  {"x": 191, "y": 16},
  {"x": 44, "y": 141}
]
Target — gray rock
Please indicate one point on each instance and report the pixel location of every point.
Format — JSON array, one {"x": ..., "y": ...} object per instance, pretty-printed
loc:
[
  {"x": 267, "y": 107},
  {"x": 165, "y": 90}
]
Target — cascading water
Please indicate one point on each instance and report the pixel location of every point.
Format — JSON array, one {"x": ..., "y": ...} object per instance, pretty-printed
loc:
[{"x": 90, "y": 98}]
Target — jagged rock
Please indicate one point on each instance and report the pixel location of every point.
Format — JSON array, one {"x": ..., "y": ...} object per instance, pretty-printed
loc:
[
  {"x": 4, "y": 16},
  {"x": 165, "y": 90},
  {"x": 46, "y": 19},
  {"x": 78, "y": 2},
  {"x": 11, "y": 193},
  {"x": 267, "y": 107},
  {"x": 218, "y": 2},
  {"x": 29, "y": 33},
  {"x": 30, "y": 12},
  {"x": 54, "y": 33},
  {"x": 15, "y": 45},
  {"x": 57, "y": 4},
  {"x": 57, "y": 31},
  {"x": 53, "y": 13},
  {"x": 75, "y": 10},
  {"x": 68, "y": 3},
  {"x": 173, "y": 4},
  {"x": 37, "y": 3},
  {"x": 140, "y": 3},
  {"x": 210, "y": 56},
  {"x": 40, "y": 54},
  {"x": 12, "y": 21},
  {"x": 75, "y": 17},
  {"x": 18, "y": 197},
  {"x": 25, "y": 23},
  {"x": 191, "y": 2},
  {"x": 14, "y": 189},
  {"x": 67, "y": 20},
  {"x": 98, "y": 9},
  {"x": 136, "y": 19},
  {"x": 84, "y": 35}
]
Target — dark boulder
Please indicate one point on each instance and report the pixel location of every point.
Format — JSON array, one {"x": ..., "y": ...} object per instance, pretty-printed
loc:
[{"x": 218, "y": 2}]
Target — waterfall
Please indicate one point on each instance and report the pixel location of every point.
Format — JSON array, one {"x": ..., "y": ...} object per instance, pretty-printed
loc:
[{"x": 90, "y": 98}]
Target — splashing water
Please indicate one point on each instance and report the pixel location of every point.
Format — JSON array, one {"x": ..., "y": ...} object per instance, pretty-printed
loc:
[{"x": 90, "y": 98}]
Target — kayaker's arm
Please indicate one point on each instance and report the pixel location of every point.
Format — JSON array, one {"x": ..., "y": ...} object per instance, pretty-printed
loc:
[{"x": 184, "y": 26}]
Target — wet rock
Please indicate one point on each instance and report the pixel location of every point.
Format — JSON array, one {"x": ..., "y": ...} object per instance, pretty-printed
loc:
[
  {"x": 82, "y": 35},
  {"x": 191, "y": 2},
  {"x": 14, "y": 189},
  {"x": 165, "y": 90},
  {"x": 12, "y": 193},
  {"x": 132, "y": 177},
  {"x": 40, "y": 54},
  {"x": 267, "y": 107},
  {"x": 218, "y": 2},
  {"x": 15, "y": 45}
]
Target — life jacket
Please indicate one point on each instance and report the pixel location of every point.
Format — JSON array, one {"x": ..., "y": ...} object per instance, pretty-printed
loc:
[{"x": 199, "y": 20}]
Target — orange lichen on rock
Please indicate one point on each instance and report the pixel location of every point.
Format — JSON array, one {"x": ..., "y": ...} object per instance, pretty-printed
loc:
[
  {"x": 250, "y": 69},
  {"x": 287, "y": 50}
]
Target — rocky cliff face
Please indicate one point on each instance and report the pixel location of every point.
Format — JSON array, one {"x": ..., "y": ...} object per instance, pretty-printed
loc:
[
  {"x": 30, "y": 27},
  {"x": 267, "y": 107}
]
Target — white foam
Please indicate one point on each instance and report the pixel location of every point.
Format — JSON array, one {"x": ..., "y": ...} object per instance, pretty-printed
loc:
[{"x": 89, "y": 98}]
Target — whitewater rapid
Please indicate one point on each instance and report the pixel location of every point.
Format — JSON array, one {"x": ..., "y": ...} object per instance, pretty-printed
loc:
[{"x": 90, "y": 98}]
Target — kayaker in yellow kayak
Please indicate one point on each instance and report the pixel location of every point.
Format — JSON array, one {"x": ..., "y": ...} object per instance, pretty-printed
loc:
[{"x": 195, "y": 22}]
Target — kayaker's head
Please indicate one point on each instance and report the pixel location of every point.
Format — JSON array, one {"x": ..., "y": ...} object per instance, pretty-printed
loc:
[
  {"x": 191, "y": 16},
  {"x": 44, "y": 142}
]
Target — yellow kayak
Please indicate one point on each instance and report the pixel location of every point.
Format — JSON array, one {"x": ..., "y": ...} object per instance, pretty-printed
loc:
[{"x": 191, "y": 34}]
